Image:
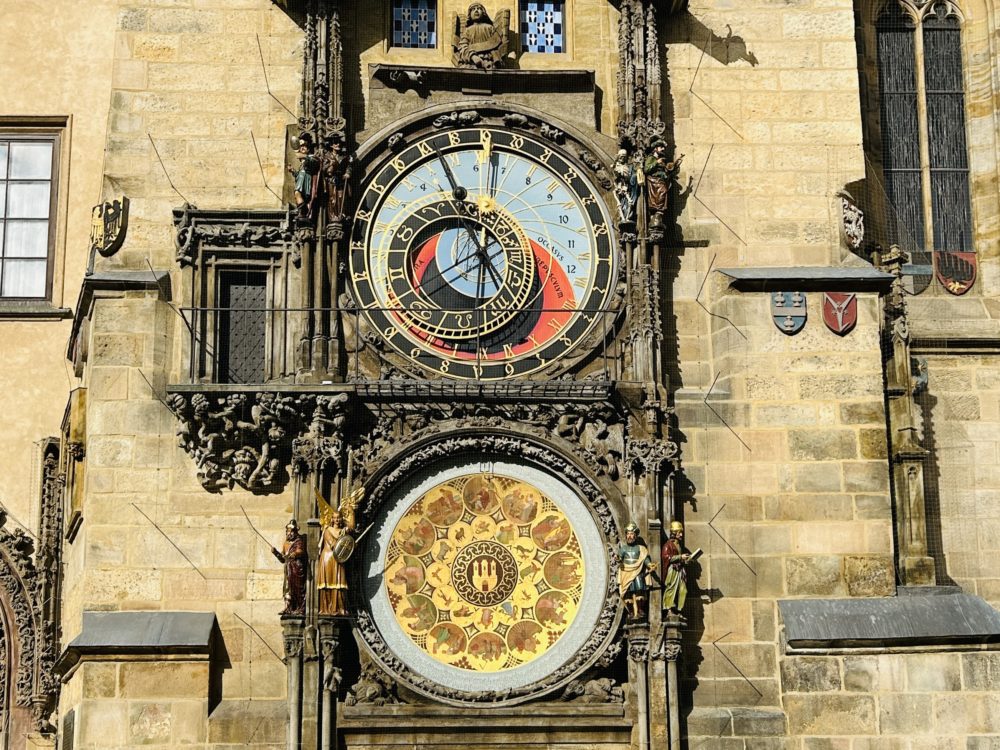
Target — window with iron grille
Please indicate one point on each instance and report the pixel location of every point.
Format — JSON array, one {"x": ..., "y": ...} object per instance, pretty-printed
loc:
[
  {"x": 922, "y": 113},
  {"x": 543, "y": 26},
  {"x": 27, "y": 211},
  {"x": 242, "y": 332},
  {"x": 414, "y": 24}
]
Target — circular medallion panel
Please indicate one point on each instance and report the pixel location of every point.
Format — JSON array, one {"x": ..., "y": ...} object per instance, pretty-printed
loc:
[{"x": 486, "y": 580}]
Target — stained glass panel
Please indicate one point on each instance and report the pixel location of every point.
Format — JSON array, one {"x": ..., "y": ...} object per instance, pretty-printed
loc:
[{"x": 543, "y": 26}]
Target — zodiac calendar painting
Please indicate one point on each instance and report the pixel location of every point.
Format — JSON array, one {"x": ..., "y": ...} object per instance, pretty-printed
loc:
[{"x": 484, "y": 572}]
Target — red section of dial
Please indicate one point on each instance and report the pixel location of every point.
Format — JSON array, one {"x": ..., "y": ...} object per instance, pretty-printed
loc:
[{"x": 557, "y": 304}]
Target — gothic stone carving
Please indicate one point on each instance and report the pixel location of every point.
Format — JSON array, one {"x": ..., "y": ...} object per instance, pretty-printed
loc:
[
  {"x": 36, "y": 685},
  {"x": 239, "y": 438},
  {"x": 479, "y": 41},
  {"x": 212, "y": 228},
  {"x": 595, "y": 431}
]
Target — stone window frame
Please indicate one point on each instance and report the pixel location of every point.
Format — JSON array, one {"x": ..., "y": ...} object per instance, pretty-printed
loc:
[
  {"x": 974, "y": 66},
  {"x": 54, "y": 129}
]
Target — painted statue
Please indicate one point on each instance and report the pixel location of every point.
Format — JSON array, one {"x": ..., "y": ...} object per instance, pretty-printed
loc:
[
  {"x": 306, "y": 174},
  {"x": 674, "y": 559},
  {"x": 627, "y": 187},
  {"x": 634, "y": 573},
  {"x": 660, "y": 172},
  {"x": 479, "y": 41},
  {"x": 295, "y": 558},
  {"x": 337, "y": 165},
  {"x": 336, "y": 543}
]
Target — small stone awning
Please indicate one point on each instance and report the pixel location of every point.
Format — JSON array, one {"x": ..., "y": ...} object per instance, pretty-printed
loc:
[
  {"x": 936, "y": 615},
  {"x": 132, "y": 633}
]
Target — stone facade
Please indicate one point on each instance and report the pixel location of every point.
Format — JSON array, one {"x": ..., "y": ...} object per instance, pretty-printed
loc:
[{"x": 785, "y": 469}]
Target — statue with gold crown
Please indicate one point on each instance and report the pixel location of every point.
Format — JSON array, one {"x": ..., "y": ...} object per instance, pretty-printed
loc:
[{"x": 336, "y": 545}]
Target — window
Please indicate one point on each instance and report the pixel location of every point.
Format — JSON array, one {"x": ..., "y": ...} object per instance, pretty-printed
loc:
[
  {"x": 414, "y": 24},
  {"x": 27, "y": 207},
  {"x": 242, "y": 327},
  {"x": 922, "y": 115},
  {"x": 543, "y": 26}
]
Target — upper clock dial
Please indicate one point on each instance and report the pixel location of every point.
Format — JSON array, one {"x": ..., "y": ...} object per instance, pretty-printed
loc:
[{"x": 482, "y": 253}]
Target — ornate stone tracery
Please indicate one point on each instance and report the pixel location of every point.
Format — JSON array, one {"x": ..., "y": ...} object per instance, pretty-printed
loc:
[{"x": 29, "y": 581}]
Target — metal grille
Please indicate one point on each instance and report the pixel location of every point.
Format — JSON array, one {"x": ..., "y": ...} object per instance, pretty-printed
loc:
[
  {"x": 899, "y": 120},
  {"x": 946, "y": 136},
  {"x": 242, "y": 326},
  {"x": 543, "y": 26},
  {"x": 414, "y": 24}
]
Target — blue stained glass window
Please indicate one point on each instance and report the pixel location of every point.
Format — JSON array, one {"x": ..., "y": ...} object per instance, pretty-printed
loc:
[
  {"x": 414, "y": 24},
  {"x": 543, "y": 26}
]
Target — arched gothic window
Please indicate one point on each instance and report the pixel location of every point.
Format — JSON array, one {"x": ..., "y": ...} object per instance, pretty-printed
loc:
[{"x": 923, "y": 131}]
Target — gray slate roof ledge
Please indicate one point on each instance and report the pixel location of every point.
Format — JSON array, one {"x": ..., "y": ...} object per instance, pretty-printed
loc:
[
  {"x": 808, "y": 279},
  {"x": 194, "y": 634},
  {"x": 917, "y": 618}
]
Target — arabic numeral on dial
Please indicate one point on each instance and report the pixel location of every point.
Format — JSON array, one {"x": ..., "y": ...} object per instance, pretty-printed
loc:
[
  {"x": 509, "y": 368},
  {"x": 571, "y": 268},
  {"x": 549, "y": 197},
  {"x": 527, "y": 180},
  {"x": 571, "y": 244},
  {"x": 564, "y": 219},
  {"x": 444, "y": 365}
]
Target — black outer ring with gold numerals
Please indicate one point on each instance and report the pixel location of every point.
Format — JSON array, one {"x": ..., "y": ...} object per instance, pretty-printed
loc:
[{"x": 393, "y": 327}]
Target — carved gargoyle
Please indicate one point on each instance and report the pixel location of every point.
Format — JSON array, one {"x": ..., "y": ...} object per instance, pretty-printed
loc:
[{"x": 481, "y": 42}]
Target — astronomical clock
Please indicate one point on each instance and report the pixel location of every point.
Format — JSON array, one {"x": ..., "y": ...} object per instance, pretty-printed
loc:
[
  {"x": 486, "y": 276},
  {"x": 470, "y": 398},
  {"x": 482, "y": 253}
]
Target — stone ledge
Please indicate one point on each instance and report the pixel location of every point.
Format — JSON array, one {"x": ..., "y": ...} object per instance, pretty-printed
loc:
[
  {"x": 492, "y": 82},
  {"x": 808, "y": 279},
  {"x": 912, "y": 620},
  {"x": 141, "y": 633}
]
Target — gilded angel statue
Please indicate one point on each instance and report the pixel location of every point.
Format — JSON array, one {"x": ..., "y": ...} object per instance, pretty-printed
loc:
[{"x": 336, "y": 543}]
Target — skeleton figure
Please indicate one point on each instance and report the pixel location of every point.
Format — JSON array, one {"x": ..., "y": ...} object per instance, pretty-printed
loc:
[{"x": 479, "y": 42}]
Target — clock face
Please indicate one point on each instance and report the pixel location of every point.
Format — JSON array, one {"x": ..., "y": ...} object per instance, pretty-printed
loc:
[
  {"x": 482, "y": 253},
  {"x": 485, "y": 579}
]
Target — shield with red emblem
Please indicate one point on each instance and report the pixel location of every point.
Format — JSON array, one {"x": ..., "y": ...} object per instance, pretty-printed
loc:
[
  {"x": 955, "y": 270},
  {"x": 840, "y": 312}
]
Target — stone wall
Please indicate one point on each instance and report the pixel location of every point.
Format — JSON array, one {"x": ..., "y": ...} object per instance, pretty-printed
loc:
[
  {"x": 40, "y": 85},
  {"x": 961, "y": 409},
  {"x": 866, "y": 702}
]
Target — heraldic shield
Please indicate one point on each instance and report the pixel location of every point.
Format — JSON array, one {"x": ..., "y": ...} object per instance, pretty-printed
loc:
[
  {"x": 108, "y": 226},
  {"x": 955, "y": 270},
  {"x": 788, "y": 311},
  {"x": 840, "y": 312}
]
